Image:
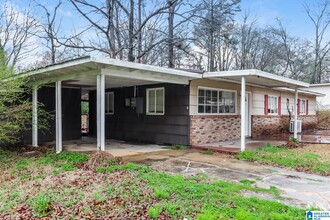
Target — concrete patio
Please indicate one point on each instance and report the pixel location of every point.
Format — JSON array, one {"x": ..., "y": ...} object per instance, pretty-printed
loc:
[{"x": 114, "y": 147}]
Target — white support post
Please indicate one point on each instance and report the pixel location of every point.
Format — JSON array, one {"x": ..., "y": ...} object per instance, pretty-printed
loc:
[
  {"x": 35, "y": 116},
  {"x": 243, "y": 94},
  {"x": 100, "y": 80},
  {"x": 295, "y": 133},
  {"x": 58, "y": 92}
]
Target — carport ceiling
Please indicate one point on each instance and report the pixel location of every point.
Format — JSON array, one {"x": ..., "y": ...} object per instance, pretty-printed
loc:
[{"x": 89, "y": 82}]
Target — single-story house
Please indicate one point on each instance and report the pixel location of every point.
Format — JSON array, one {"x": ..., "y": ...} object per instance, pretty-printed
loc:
[
  {"x": 323, "y": 102},
  {"x": 131, "y": 101}
]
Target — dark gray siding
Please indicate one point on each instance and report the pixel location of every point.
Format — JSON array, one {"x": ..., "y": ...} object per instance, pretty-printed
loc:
[
  {"x": 71, "y": 110},
  {"x": 125, "y": 124}
]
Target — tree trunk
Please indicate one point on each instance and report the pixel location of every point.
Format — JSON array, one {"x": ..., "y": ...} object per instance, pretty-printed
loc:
[
  {"x": 171, "y": 34},
  {"x": 131, "y": 36}
]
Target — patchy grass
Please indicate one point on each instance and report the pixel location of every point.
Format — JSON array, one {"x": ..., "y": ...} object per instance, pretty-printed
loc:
[
  {"x": 311, "y": 158},
  {"x": 74, "y": 185},
  {"x": 208, "y": 152},
  {"x": 177, "y": 147}
]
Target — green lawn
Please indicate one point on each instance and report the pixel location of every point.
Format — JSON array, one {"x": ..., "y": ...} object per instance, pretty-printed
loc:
[
  {"x": 97, "y": 186},
  {"x": 312, "y": 158}
]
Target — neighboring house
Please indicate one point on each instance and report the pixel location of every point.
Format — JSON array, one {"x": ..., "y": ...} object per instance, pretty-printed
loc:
[
  {"x": 323, "y": 102},
  {"x": 131, "y": 101}
]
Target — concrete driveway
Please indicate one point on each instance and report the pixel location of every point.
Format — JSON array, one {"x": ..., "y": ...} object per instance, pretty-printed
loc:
[{"x": 299, "y": 189}]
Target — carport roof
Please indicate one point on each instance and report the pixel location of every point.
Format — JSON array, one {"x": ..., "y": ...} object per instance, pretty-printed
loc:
[
  {"x": 125, "y": 73},
  {"x": 256, "y": 77}
]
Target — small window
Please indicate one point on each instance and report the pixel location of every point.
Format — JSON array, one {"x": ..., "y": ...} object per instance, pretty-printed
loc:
[
  {"x": 109, "y": 103},
  {"x": 302, "y": 106},
  {"x": 156, "y": 101},
  {"x": 215, "y": 101},
  {"x": 272, "y": 104}
]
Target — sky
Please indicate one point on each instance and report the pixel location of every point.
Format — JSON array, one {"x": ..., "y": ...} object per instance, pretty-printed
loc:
[{"x": 290, "y": 12}]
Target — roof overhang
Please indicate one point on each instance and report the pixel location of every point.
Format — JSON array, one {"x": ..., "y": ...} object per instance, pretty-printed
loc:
[
  {"x": 256, "y": 78},
  {"x": 320, "y": 85},
  {"x": 300, "y": 91},
  {"x": 82, "y": 72}
]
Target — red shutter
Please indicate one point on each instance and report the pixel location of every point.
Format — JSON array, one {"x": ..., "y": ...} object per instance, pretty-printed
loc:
[
  {"x": 266, "y": 105},
  {"x": 279, "y": 105},
  {"x": 306, "y": 107},
  {"x": 298, "y": 107}
]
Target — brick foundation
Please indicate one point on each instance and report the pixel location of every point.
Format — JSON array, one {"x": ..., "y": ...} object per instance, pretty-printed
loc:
[
  {"x": 212, "y": 128},
  {"x": 206, "y": 129},
  {"x": 263, "y": 125}
]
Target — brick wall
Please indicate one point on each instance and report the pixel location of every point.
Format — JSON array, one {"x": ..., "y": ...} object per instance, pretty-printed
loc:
[
  {"x": 275, "y": 124},
  {"x": 212, "y": 128}
]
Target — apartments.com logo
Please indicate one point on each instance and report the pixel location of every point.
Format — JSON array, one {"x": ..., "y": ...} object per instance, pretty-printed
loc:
[{"x": 318, "y": 215}]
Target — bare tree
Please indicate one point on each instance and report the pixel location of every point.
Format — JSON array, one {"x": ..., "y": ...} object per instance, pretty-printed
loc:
[
  {"x": 50, "y": 29},
  {"x": 209, "y": 32},
  {"x": 319, "y": 15},
  {"x": 16, "y": 28}
]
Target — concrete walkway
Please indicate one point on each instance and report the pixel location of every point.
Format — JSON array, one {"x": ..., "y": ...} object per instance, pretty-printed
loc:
[{"x": 298, "y": 189}]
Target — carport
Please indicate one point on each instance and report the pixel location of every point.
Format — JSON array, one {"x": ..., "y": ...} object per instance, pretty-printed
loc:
[{"x": 97, "y": 74}]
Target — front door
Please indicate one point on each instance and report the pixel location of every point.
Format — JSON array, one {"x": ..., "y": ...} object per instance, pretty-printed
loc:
[{"x": 248, "y": 114}]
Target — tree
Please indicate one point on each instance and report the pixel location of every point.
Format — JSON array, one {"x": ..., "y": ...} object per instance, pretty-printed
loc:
[
  {"x": 16, "y": 32},
  {"x": 210, "y": 30},
  {"x": 319, "y": 15},
  {"x": 15, "y": 105}
]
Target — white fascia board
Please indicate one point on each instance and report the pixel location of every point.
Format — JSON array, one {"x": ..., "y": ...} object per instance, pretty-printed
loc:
[
  {"x": 55, "y": 67},
  {"x": 254, "y": 72},
  {"x": 104, "y": 62},
  {"x": 302, "y": 91},
  {"x": 145, "y": 67},
  {"x": 281, "y": 78},
  {"x": 319, "y": 85}
]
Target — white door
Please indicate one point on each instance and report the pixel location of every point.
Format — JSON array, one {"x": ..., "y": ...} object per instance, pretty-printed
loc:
[{"x": 247, "y": 114}]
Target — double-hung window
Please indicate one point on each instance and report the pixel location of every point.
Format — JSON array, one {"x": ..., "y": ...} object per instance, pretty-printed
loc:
[
  {"x": 272, "y": 104},
  {"x": 216, "y": 101},
  {"x": 109, "y": 103},
  {"x": 156, "y": 101},
  {"x": 302, "y": 106}
]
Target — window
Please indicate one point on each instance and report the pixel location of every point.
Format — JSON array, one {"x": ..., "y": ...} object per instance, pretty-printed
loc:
[
  {"x": 272, "y": 104},
  {"x": 109, "y": 103},
  {"x": 156, "y": 101},
  {"x": 215, "y": 101},
  {"x": 302, "y": 106}
]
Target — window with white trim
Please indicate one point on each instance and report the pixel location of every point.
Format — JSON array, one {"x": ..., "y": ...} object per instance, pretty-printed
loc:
[
  {"x": 302, "y": 106},
  {"x": 109, "y": 103},
  {"x": 216, "y": 101},
  {"x": 156, "y": 101},
  {"x": 272, "y": 104}
]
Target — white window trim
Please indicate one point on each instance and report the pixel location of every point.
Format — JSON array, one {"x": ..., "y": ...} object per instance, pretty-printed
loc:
[
  {"x": 303, "y": 113},
  {"x": 217, "y": 89},
  {"x": 273, "y": 96},
  {"x": 147, "y": 102},
  {"x": 113, "y": 103}
]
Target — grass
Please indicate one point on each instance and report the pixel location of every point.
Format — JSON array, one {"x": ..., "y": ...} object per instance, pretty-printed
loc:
[
  {"x": 312, "y": 158},
  {"x": 208, "y": 152},
  {"x": 177, "y": 147},
  {"x": 124, "y": 191}
]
